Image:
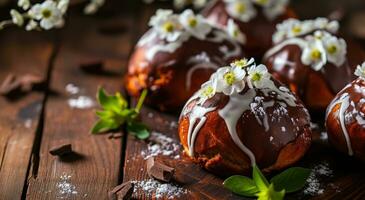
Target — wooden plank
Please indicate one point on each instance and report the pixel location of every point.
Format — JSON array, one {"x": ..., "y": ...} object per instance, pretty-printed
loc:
[
  {"x": 20, "y": 54},
  {"x": 96, "y": 168}
]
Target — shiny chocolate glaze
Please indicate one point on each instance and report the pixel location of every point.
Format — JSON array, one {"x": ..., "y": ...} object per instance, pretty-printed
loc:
[
  {"x": 354, "y": 119},
  {"x": 258, "y": 30},
  {"x": 214, "y": 140},
  {"x": 165, "y": 76}
]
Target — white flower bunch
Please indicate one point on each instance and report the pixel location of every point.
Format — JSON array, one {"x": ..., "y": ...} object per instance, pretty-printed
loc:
[
  {"x": 232, "y": 79},
  {"x": 294, "y": 28},
  {"x": 234, "y": 32},
  {"x": 360, "y": 71},
  {"x": 244, "y": 10},
  {"x": 180, "y": 4},
  {"x": 171, "y": 27},
  {"x": 46, "y": 15}
]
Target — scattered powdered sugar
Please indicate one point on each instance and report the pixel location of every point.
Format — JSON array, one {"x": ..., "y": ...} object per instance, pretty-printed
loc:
[
  {"x": 28, "y": 123},
  {"x": 314, "y": 186},
  {"x": 72, "y": 89},
  {"x": 160, "y": 190},
  {"x": 160, "y": 144},
  {"x": 65, "y": 188},
  {"x": 81, "y": 102}
]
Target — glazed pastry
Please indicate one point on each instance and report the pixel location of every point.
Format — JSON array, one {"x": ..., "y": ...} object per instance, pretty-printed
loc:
[
  {"x": 177, "y": 55},
  {"x": 255, "y": 18},
  {"x": 241, "y": 117},
  {"x": 310, "y": 60},
  {"x": 345, "y": 118}
]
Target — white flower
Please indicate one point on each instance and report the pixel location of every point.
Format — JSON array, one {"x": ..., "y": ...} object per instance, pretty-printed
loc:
[
  {"x": 336, "y": 50},
  {"x": 240, "y": 9},
  {"x": 297, "y": 28},
  {"x": 314, "y": 54},
  {"x": 229, "y": 80},
  {"x": 207, "y": 91},
  {"x": 321, "y": 23},
  {"x": 234, "y": 31},
  {"x": 195, "y": 24},
  {"x": 360, "y": 71},
  {"x": 258, "y": 76},
  {"x": 25, "y": 4},
  {"x": 243, "y": 63},
  {"x": 278, "y": 36},
  {"x": 333, "y": 26},
  {"x": 63, "y": 5},
  {"x": 199, "y": 3},
  {"x": 48, "y": 14},
  {"x": 276, "y": 8},
  {"x": 31, "y": 25},
  {"x": 167, "y": 25},
  {"x": 16, "y": 17}
]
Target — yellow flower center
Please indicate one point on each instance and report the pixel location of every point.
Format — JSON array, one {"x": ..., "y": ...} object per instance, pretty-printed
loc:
[
  {"x": 256, "y": 76},
  {"x": 208, "y": 91},
  {"x": 240, "y": 8},
  {"x": 169, "y": 27},
  {"x": 297, "y": 29},
  {"x": 46, "y": 13},
  {"x": 192, "y": 22},
  {"x": 235, "y": 33},
  {"x": 332, "y": 49},
  {"x": 316, "y": 54},
  {"x": 230, "y": 78},
  {"x": 240, "y": 63},
  {"x": 262, "y": 2}
]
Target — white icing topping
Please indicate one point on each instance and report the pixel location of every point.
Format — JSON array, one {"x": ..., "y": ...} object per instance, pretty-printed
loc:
[
  {"x": 234, "y": 109},
  {"x": 344, "y": 101},
  {"x": 198, "y": 113}
]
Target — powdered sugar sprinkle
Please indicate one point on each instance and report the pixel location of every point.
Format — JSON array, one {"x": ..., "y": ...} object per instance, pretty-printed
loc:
[
  {"x": 314, "y": 186},
  {"x": 152, "y": 187},
  {"x": 160, "y": 144},
  {"x": 65, "y": 188}
]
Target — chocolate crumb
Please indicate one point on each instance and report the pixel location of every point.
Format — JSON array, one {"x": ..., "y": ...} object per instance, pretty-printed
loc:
[
  {"x": 61, "y": 150},
  {"x": 159, "y": 170},
  {"x": 123, "y": 191}
]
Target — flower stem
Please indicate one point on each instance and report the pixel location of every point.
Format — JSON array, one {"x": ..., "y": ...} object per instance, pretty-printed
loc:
[{"x": 141, "y": 100}]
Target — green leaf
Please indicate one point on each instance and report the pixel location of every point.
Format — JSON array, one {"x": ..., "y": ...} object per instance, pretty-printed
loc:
[
  {"x": 104, "y": 126},
  {"x": 241, "y": 185},
  {"x": 270, "y": 194},
  {"x": 111, "y": 102},
  {"x": 260, "y": 180},
  {"x": 138, "y": 129},
  {"x": 292, "y": 179}
]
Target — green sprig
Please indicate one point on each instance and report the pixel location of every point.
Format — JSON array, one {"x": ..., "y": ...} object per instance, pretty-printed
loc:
[
  {"x": 291, "y": 180},
  {"x": 116, "y": 112}
]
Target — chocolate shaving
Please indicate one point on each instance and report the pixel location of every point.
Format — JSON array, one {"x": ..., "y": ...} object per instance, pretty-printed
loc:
[
  {"x": 123, "y": 191},
  {"x": 61, "y": 150},
  {"x": 159, "y": 170}
]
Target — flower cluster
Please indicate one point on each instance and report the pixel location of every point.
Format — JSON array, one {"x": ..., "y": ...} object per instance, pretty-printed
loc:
[
  {"x": 294, "y": 28},
  {"x": 180, "y": 4},
  {"x": 45, "y": 15},
  {"x": 244, "y": 10},
  {"x": 172, "y": 27},
  {"x": 233, "y": 79},
  {"x": 360, "y": 70}
]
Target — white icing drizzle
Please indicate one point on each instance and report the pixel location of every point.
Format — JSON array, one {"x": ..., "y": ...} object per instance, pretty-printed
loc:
[
  {"x": 292, "y": 41},
  {"x": 344, "y": 101},
  {"x": 198, "y": 113},
  {"x": 237, "y": 105},
  {"x": 190, "y": 72},
  {"x": 219, "y": 37}
]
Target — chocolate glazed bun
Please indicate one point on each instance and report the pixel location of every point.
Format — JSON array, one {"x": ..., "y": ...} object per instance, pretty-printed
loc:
[
  {"x": 258, "y": 29},
  {"x": 345, "y": 121},
  {"x": 310, "y": 60},
  {"x": 261, "y": 123},
  {"x": 173, "y": 70}
]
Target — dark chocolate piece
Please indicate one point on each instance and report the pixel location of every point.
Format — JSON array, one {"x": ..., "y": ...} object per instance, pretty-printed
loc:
[
  {"x": 159, "y": 170},
  {"x": 61, "y": 150},
  {"x": 123, "y": 191},
  {"x": 10, "y": 85}
]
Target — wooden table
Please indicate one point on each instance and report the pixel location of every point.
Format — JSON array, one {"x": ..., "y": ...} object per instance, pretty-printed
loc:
[{"x": 31, "y": 125}]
